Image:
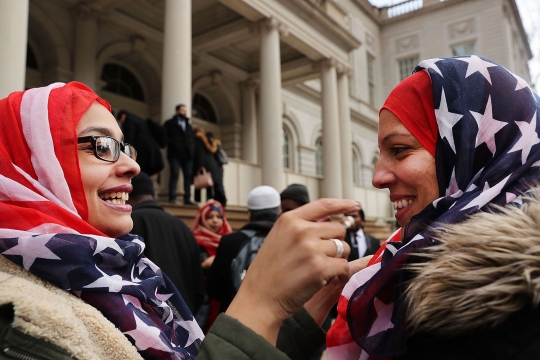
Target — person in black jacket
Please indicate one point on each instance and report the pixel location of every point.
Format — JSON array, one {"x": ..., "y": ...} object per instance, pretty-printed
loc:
[
  {"x": 169, "y": 242},
  {"x": 137, "y": 133},
  {"x": 180, "y": 149},
  {"x": 264, "y": 208},
  {"x": 206, "y": 147}
]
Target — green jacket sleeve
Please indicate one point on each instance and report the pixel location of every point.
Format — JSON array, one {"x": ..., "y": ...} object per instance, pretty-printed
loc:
[
  {"x": 299, "y": 338},
  {"x": 230, "y": 339}
]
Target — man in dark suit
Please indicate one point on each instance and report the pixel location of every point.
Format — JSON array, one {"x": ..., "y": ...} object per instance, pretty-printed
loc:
[
  {"x": 361, "y": 243},
  {"x": 180, "y": 150}
]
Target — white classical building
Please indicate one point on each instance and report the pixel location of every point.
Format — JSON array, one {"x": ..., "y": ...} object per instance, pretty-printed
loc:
[{"x": 291, "y": 87}]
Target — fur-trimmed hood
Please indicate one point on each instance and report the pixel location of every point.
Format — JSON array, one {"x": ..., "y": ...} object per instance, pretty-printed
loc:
[
  {"x": 484, "y": 269},
  {"x": 211, "y": 145}
]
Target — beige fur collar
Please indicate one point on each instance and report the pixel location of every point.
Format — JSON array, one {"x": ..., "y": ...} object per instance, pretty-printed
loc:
[
  {"x": 485, "y": 269},
  {"x": 47, "y": 312},
  {"x": 212, "y": 146}
]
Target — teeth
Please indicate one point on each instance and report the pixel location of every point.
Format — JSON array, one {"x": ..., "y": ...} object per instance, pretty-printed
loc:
[
  {"x": 400, "y": 204},
  {"x": 118, "y": 198}
]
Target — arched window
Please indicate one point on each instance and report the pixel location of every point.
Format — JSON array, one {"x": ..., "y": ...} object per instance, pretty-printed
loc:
[
  {"x": 31, "y": 61},
  {"x": 287, "y": 146},
  {"x": 357, "y": 180},
  {"x": 319, "y": 168},
  {"x": 121, "y": 81},
  {"x": 203, "y": 109}
]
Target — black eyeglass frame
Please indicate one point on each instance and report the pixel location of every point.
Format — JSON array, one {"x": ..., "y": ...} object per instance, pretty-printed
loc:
[{"x": 92, "y": 139}]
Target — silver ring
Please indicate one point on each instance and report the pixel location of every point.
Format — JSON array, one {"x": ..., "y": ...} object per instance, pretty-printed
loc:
[{"x": 339, "y": 247}]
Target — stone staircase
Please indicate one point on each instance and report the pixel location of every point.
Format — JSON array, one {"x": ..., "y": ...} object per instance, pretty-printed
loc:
[{"x": 238, "y": 217}]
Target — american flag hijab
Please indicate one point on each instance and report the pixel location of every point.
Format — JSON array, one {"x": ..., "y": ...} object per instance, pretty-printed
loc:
[
  {"x": 43, "y": 225},
  {"x": 487, "y": 152}
]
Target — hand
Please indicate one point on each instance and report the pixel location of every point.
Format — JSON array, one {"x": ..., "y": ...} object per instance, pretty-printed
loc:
[
  {"x": 295, "y": 261},
  {"x": 208, "y": 262},
  {"x": 325, "y": 299}
]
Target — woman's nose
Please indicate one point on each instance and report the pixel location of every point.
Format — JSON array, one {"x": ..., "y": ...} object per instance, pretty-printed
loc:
[
  {"x": 383, "y": 177},
  {"x": 127, "y": 166}
]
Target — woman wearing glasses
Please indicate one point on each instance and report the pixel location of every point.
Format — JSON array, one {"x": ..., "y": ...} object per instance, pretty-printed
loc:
[{"x": 75, "y": 284}]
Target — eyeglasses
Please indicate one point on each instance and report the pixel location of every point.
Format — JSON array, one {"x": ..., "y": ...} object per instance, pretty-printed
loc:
[{"x": 107, "y": 148}]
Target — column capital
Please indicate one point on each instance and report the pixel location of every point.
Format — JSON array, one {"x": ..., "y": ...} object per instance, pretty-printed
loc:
[
  {"x": 325, "y": 63},
  {"x": 272, "y": 23},
  {"x": 344, "y": 70}
]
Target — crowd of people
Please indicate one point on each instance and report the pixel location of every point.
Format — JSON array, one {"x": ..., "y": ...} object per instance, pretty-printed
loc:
[
  {"x": 190, "y": 150},
  {"x": 93, "y": 268}
]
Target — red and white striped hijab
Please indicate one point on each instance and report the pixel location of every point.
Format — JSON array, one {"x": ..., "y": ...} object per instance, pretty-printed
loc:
[{"x": 44, "y": 228}]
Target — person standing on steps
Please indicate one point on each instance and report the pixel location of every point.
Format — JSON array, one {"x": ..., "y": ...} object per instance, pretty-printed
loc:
[{"x": 180, "y": 150}]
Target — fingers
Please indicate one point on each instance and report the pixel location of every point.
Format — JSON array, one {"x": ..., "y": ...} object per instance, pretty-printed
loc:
[
  {"x": 324, "y": 207},
  {"x": 359, "y": 264},
  {"x": 331, "y": 249},
  {"x": 327, "y": 230}
]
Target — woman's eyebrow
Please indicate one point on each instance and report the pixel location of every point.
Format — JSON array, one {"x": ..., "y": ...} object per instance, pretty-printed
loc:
[
  {"x": 394, "y": 134},
  {"x": 97, "y": 129}
]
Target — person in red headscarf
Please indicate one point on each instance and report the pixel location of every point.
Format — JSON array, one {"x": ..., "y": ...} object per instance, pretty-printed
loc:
[
  {"x": 460, "y": 156},
  {"x": 209, "y": 225}
]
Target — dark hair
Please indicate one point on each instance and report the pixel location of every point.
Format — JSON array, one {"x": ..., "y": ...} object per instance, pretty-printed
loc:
[
  {"x": 362, "y": 216},
  {"x": 265, "y": 214},
  {"x": 120, "y": 113},
  {"x": 179, "y": 106}
]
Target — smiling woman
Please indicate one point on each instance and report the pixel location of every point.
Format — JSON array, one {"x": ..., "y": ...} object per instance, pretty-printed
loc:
[
  {"x": 106, "y": 183},
  {"x": 459, "y": 152}
]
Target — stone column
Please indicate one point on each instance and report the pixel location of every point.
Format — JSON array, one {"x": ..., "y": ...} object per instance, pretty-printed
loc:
[
  {"x": 270, "y": 106},
  {"x": 84, "y": 69},
  {"x": 176, "y": 85},
  {"x": 330, "y": 131},
  {"x": 345, "y": 134},
  {"x": 176, "y": 74},
  {"x": 14, "y": 30},
  {"x": 249, "y": 126}
]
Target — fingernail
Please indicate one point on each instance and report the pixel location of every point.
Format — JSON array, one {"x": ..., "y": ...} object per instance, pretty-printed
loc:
[{"x": 355, "y": 206}]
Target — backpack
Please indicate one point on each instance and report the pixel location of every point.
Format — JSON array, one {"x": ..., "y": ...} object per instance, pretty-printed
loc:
[{"x": 245, "y": 256}]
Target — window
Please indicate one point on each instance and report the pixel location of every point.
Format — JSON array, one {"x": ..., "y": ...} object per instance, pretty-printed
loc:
[
  {"x": 121, "y": 81},
  {"x": 31, "y": 61},
  {"x": 356, "y": 169},
  {"x": 202, "y": 109},
  {"x": 406, "y": 66},
  {"x": 371, "y": 81},
  {"x": 319, "y": 168},
  {"x": 287, "y": 148},
  {"x": 468, "y": 48}
]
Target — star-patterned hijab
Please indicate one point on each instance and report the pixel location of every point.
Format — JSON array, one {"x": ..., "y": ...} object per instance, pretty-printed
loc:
[
  {"x": 487, "y": 152},
  {"x": 44, "y": 228}
]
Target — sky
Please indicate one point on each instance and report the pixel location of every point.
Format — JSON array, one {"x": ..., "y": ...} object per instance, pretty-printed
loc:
[{"x": 530, "y": 17}]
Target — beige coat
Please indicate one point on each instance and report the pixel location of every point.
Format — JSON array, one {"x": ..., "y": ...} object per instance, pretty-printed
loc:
[{"x": 55, "y": 315}]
